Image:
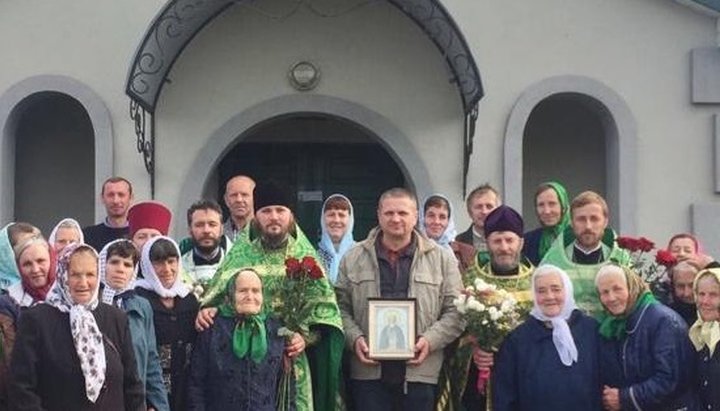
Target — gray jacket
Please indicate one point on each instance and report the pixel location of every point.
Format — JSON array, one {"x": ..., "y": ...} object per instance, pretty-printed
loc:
[{"x": 434, "y": 283}]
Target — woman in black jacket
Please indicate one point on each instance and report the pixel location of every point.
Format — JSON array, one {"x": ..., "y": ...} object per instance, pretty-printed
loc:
[
  {"x": 73, "y": 353},
  {"x": 705, "y": 334}
]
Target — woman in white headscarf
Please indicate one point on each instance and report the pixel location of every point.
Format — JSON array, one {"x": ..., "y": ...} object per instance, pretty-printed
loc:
[
  {"x": 436, "y": 220},
  {"x": 174, "y": 311},
  {"x": 66, "y": 232},
  {"x": 337, "y": 221},
  {"x": 550, "y": 362},
  {"x": 73, "y": 353}
]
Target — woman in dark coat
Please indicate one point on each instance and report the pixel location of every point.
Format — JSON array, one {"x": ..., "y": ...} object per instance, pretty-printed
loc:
[
  {"x": 705, "y": 335},
  {"x": 73, "y": 353},
  {"x": 174, "y": 310},
  {"x": 646, "y": 351},
  {"x": 550, "y": 362},
  {"x": 237, "y": 363}
]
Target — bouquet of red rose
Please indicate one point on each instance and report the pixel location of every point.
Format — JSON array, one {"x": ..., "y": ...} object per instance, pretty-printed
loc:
[
  {"x": 652, "y": 269},
  {"x": 293, "y": 307}
]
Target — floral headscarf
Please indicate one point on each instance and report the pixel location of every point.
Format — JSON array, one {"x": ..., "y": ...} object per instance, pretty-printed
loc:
[
  {"x": 152, "y": 282},
  {"x": 109, "y": 293},
  {"x": 326, "y": 248},
  {"x": 64, "y": 223},
  {"x": 549, "y": 234},
  {"x": 705, "y": 333},
  {"x": 450, "y": 231},
  {"x": 37, "y": 293},
  {"x": 9, "y": 273},
  {"x": 86, "y": 335},
  {"x": 562, "y": 337},
  {"x": 639, "y": 296}
]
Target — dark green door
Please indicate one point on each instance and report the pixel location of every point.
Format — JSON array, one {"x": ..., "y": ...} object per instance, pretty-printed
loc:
[{"x": 313, "y": 171}]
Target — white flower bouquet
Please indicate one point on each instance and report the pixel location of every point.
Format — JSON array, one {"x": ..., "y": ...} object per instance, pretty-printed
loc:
[{"x": 491, "y": 313}]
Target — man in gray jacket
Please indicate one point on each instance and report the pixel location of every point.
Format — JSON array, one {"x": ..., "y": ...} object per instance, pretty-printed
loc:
[{"x": 396, "y": 262}]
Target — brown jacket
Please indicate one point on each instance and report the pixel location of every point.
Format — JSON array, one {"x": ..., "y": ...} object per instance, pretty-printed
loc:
[{"x": 434, "y": 283}]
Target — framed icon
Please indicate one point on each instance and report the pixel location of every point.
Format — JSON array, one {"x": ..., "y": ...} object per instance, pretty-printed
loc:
[{"x": 391, "y": 328}]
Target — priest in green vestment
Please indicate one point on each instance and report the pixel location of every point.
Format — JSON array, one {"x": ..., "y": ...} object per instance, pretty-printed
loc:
[
  {"x": 316, "y": 363},
  {"x": 508, "y": 270},
  {"x": 585, "y": 247}
]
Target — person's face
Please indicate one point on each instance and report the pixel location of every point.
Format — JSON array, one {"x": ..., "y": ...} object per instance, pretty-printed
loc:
[
  {"x": 682, "y": 283},
  {"x": 248, "y": 293},
  {"x": 167, "y": 271},
  {"x": 589, "y": 223},
  {"x": 274, "y": 222},
  {"x": 548, "y": 208},
  {"x": 336, "y": 222},
  {"x": 708, "y": 298},
  {"x": 64, "y": 236},
  {"x": 116, "y": 197},
  {"x": 436, "y": 221},
  {"x": 614, "y": 294},
  {"x": 504, "y": 248},
  {"x": 239, "y": 197},
  {"x": 82, "y": 278},
  {"x": 682, "y": 249},
  {"x": 397, "y": 217},
  {"x": 480, "y": 206},
  {"x": 34, "y": 265},
  {"x": 119, "y": 271},
  {"x": 550, "y": 294},
  {"x": 206, "y": 229},
  {"x": 143, "y": 235}
]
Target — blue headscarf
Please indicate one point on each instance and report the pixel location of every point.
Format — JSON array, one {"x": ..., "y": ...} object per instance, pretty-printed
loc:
[
  {"x": 330, "y": 257},
  {"x": 450, "y": 232},
  {"x": 9, "y": 273}
]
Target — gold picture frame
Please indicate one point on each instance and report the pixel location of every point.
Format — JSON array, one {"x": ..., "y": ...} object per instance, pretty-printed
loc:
[{"x": 391, "y": 328}]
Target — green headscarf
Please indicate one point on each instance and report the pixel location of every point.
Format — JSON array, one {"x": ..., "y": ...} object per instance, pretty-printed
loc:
[
  {"x": 549, "y": 234},
  {"x": 639, "y": 296},
  {"x": 250, "y": 335}
]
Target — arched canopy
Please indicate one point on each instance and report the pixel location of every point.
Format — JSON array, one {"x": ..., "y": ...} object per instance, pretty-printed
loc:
[{"x": 174, "y": 27}]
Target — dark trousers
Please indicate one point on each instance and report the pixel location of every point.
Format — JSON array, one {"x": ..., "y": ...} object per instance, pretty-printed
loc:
[{"x": 379, "y": 396}]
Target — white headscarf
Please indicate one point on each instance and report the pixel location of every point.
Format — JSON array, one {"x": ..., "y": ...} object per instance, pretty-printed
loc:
[
  {"x": 450, "y": 232},
  {"x": 87, "y": 338},
  {"x": 562, "y": 337},
  {"x": 109, "y": 293},
  {"x": 326, "y": 246},
  {"x": 152, "y": 282},
  {"x": 65, "y": 221}
]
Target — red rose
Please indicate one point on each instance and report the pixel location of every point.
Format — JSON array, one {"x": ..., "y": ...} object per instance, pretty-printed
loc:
[
  {"x": 665, "y": 258},
  {"x": 292, "y": 267},
  {"x": 316, "y": 273},
  {"x": 645, "y": 245},
  {"x": 629, "y": 243},
  {"x": 308, "y": 263}
]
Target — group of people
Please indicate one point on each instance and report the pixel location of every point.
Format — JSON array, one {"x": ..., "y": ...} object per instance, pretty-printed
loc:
[{"x": 120, "y": 316}]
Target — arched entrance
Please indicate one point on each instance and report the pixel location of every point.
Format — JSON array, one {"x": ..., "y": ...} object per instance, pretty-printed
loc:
[
  {"x": 314, "y": 156},
  {"x": 54, "y": 160},
  {"x": 564, "y": 140}
]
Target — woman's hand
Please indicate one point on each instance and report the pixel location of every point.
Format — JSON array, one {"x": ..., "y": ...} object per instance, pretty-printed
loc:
[
  {"x": 205, "y": 318},
  {"x": 483, "y": 360},
  {"x": 611, "y": 398}
]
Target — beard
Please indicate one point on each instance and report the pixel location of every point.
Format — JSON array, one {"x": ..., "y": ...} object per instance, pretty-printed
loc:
[
  {"x": 206, "y": 249},
  {"x": 271, "y": 241}
]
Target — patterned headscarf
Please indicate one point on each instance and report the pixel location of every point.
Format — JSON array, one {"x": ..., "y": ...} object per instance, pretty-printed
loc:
[
  {"x": 37, "y": 293},
  {"x": 549, "y": 234},
  {"x": 562, "y": 337},
  {"x": 109, "y": 293},
  {"x": 9, "y": 273},
  {"x": 86, "y": 335},
  {"x": 705, "y": 333},
  {"x": 64, "y": 223},
  {"x": 450, "y": 231},
  {"x": 152, "y": 282},
  {"x": 326, "y": 249},
  {"x": 639, "y": 296}
]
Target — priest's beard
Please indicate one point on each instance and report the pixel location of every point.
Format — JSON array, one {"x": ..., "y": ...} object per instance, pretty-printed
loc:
[
  {"x": 274, "y": 241},
  {"x": 206, "y": 249}
]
